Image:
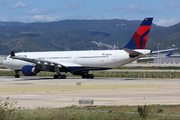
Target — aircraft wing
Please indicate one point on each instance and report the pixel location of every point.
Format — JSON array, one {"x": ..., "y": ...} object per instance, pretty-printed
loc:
[
  {"x": 164, "y": 50},
  {"x": 168, "y": 55},
  {"x": 43, "y": 62}
]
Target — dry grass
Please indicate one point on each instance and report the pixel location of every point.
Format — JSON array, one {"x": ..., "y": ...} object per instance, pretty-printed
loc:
[
  {"x": 73, "y": 87},
  {"x": 8, "y": 112}
]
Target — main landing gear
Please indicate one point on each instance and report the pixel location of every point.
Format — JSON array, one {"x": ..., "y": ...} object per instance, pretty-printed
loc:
[
  {"x": 88, "y": 76},
  {"x": 59, "y": 76}
]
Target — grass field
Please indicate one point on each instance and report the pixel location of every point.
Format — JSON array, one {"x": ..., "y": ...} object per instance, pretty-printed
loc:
[
  {"x": 157, "y": 112},
  {"x": 72, "y": 88},
  {"x": 115, "y": 74}
]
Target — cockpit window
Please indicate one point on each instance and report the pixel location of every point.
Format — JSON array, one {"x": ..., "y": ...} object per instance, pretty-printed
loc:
[{"x": 5, "y": 58}]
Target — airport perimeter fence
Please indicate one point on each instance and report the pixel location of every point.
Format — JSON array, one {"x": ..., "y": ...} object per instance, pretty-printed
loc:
[{"x": 115, "y": 74}]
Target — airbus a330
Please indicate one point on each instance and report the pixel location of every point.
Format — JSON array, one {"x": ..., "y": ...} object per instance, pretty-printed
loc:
[{"x": 80, "y": 62}]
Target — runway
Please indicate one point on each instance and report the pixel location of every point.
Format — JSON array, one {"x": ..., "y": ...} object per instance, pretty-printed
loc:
[{"x": 34, "y": 92}]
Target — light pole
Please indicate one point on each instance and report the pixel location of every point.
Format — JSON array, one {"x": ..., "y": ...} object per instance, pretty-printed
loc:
[{"x": 158, "y": 53}]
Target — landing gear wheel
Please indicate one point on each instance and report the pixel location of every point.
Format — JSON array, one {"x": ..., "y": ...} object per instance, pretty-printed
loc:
[
  {"x": 55, "y": 76},
  {"x": 17, "y": 76},
  {"x": 59, "y": 76},
  {"x": 92, "y": 76},
  {"x": 64, "y": 76},
  {"x": 83, "y": 76},
  {"x": 88, "y": 75}
]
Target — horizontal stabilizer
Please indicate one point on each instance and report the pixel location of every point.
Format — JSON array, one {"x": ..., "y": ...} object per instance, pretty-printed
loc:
[{"x": 132, "y": 53}]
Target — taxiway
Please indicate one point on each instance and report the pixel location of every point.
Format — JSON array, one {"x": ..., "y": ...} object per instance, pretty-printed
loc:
[{"x": 33, "y": 92}]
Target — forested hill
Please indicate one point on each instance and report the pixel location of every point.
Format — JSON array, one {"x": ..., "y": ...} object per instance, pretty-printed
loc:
[
  {"x": 79, "y": 34},
  {"x": 109, "y": 26}
]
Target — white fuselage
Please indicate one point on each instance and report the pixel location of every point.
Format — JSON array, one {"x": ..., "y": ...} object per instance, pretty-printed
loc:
[{"x": 93, "y": 58}]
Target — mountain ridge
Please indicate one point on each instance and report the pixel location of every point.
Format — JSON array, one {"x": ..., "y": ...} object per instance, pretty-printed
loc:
[{"x": 79, "y": 34}]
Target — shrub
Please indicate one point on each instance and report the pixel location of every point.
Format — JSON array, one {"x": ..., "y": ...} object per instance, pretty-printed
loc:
[
  {"x": 160, "y": 110},
  {"x": 143, "y": 111},
  {"x": 6, "y": 108}
]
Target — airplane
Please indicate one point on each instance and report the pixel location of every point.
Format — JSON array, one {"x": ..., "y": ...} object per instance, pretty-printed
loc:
[{"x": 80, "y": 62}]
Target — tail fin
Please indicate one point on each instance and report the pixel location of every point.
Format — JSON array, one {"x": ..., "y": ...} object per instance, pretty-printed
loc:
[
  {"x": 168, "y": 55},
  {"x": 138, "y": 41}
]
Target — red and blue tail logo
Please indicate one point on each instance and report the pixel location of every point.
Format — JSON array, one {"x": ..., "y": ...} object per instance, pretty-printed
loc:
[{"x": 138, "y": 41}]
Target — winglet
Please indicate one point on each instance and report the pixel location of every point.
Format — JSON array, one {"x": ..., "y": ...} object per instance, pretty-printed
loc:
[
  {"x": 12, "y": 53},
  {"x": 168, "y": 55},
  {"x": 138, "y": 41}
]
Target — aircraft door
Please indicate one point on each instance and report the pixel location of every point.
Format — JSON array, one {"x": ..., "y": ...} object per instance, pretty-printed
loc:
[{"x": 75, "y": 58}]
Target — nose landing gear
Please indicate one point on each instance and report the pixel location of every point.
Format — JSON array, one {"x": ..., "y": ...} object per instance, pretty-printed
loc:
[{"x": 16, "y": 74}]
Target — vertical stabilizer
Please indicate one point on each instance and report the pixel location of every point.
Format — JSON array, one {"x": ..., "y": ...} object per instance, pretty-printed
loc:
[{"x": 138, "y": 41}]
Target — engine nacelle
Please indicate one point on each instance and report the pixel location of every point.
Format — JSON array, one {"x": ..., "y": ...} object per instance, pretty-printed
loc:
[{"x": 29, "y": 70}]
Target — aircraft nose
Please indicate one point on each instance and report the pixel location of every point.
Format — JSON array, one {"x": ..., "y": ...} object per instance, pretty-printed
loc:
[{"x": 4, "y": 62}]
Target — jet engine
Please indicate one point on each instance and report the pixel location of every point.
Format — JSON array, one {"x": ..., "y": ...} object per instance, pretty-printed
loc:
[{"x": 29, "y": 70}]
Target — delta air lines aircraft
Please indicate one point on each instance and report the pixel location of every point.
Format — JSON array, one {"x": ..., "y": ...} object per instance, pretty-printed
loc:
[{"x": 80, "y": 62}]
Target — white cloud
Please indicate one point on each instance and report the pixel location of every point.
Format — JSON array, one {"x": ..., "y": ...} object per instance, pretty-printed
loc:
[
  {"x": 25, "y": 19},
  {"x": 18, "y": 5},
  {"x": 173, "y": 4},
  {"x": 78, "y": 16},
  {"x": 73, "y": 6},
  {"x": 130, "y": 8},
  {"x": 5, "y": 2},
  {"x": 165, "y": 22},
  {"x": 145, "y": 11},
  {"x": 46, "y": 18},
  {"x": 36, "y": 11},
  {"x": 4, "y": 19},
  {"x": 111, "y": 9},
  {"x": 126, "y": 8}
]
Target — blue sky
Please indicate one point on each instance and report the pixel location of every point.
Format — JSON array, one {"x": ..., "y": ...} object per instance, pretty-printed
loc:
[{"x": 165, "y": 12}]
